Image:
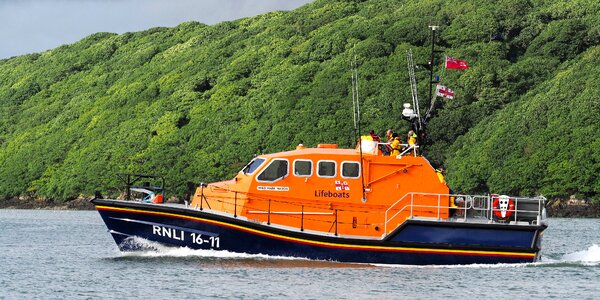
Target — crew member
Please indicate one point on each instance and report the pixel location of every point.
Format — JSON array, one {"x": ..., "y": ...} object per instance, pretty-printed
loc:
[
  {"x": 374, "y": 136},
  {"x": 396, "y": 145},
  {"x": 412, "y": 138},
  {"x": 440, "y": 174},
  {"x": 456, "y": 204},
  {"x": 388, "y": 135},
  {"x": 389, "y": 139}
]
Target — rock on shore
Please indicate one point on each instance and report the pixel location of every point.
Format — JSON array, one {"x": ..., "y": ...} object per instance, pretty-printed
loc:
[{"x": 572, "y": 208}]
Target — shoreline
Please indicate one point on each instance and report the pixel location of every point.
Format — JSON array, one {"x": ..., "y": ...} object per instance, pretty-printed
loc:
[
  {"x": 558, "y": 208},
  {"x": 46, "y": 204}
]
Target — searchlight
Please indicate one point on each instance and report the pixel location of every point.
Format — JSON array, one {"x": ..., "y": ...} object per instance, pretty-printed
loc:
[{"x": 408, "y": 112}]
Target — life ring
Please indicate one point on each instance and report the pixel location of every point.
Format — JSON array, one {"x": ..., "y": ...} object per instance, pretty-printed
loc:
[{"x": 503, "y": 207}]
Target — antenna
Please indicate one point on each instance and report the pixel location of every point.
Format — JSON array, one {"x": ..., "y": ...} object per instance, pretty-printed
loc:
[
  {"x": 413, "y": 90},
  {"x": 355, "y": 101},
  {"x": 356, "y": 115},
  {"x": 354, "y": 93},
  {"x": 431, "y": 64},
  {"x": 432, "y": 97}
]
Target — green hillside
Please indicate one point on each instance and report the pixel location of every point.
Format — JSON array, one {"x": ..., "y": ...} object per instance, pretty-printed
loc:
[{"x": 196, "y": 102}]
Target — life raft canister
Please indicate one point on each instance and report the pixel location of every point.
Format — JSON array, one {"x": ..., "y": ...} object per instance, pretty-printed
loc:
[{"x": 503, "y": 207}]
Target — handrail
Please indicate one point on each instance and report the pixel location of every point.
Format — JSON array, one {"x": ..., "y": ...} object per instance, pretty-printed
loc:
[
  {"x": 469, "y": 204},
  {"x": 540, "y": 214},
  {"x": 301, "y": 215},
  {"x": 410, "y": 147},
  {"x": 407, "y": 148},
  {"x": 403, "y": 169},
  {"x": 473, "y": 207},
  {"x": 391, "y": 206}
]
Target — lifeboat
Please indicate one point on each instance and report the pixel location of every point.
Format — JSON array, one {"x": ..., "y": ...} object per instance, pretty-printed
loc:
[
  {"x": 347, "y": 205},
  {"x": 327, "y": 203}
]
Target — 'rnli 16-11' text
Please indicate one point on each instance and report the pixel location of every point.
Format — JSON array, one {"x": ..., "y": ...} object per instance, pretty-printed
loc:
[{"x": 181, "y": 235}]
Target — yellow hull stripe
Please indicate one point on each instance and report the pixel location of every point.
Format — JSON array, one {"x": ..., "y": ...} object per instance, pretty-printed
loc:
[{"x": 326, "y": 244}]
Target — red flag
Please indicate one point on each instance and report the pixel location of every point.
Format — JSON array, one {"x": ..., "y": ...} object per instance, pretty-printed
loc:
[
  {"x": 444, "y": 91},
  {"x": 452, "y": 63}
]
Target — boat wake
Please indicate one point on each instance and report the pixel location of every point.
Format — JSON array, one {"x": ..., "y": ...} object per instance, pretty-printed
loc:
[
  {"x": 154, "y": 249},
  {"x": 587, "y": 257}
]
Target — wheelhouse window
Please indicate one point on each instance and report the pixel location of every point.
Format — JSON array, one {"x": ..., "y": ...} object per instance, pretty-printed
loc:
[
  {"x": 303, "y": 168},
  {"x": 276, "y": 170},
  {"x": 350, "y": 169},
  {"x": 253, "y": 165},
  {"x": 326, "y": 168}
]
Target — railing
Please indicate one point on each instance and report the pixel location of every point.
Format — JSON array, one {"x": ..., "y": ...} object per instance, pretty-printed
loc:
[
  {"x": 469, "y": 207},
  {"x": 407, "y": 149},
  {"x": 328, "y": 214},
  {"x": 525, "y": 209},
  {"x": 401, "y": 206},
  {"x": 372, "y": 147},
  {"x": 133, "y": 183}
]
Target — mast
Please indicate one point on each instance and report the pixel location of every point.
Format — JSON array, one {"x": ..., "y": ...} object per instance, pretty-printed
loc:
[
  {"x": 419, "y": 123},
  {"x": 413, "y": 86},
  {"x": 432, "y": 61},
  {"x": 356, "y": 115}
]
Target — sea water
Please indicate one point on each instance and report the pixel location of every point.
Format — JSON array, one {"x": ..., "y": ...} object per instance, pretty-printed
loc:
[{"x": 70, "y": 255}]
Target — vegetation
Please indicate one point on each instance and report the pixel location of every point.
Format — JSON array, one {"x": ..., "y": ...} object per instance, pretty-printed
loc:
[{"x": 196, "y": 102}]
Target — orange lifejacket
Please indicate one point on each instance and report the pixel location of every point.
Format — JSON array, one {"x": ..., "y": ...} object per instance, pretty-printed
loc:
[{"x": 158, "y": 199}]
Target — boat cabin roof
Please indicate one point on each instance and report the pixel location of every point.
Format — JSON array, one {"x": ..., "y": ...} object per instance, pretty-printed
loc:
[{"x": 313, "y": 151}]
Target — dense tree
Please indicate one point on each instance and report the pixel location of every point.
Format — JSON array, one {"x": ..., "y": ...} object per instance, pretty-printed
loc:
[{"x": 196, "y": 102}]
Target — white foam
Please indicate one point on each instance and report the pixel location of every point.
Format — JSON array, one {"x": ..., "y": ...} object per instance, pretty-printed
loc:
[
  {"x": 154, "y": 249},
  {"x": 588, "y": 257},
  {"x": 591, "y": 256}
]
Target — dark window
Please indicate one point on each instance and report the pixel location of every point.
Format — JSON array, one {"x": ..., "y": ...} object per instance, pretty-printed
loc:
[
  {"x": 253, "y": 165},
  {"x": 276, "y": 170},
  {"x": 350, "y": 169},
  {"x": 326, "y": 169},
  {"x": 302, "y": 167}
]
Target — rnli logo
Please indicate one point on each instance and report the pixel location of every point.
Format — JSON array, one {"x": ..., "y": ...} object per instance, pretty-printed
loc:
[{"x": 341, "y": 186}]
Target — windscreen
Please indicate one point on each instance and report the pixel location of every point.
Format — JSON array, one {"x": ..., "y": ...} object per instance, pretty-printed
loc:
[{"x": 253, "y": 165}]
